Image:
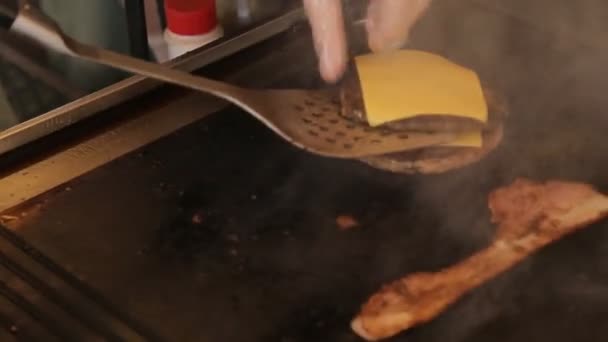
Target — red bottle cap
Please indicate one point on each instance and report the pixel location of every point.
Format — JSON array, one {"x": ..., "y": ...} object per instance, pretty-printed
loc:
[{"x": 190, "y": 17}]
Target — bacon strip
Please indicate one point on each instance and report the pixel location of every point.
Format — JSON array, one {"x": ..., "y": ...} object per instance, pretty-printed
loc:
[{"x": 529, "y": 215}]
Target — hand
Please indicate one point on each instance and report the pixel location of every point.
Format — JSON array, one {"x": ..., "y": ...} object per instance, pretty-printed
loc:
[{"x": 388, "y": 25}]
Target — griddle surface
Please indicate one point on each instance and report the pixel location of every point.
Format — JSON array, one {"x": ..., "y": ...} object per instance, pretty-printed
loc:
[{"x": 222, "y": 232}]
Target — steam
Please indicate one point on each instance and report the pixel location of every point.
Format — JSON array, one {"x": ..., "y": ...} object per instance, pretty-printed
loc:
[{"x": 546, "y": 58}]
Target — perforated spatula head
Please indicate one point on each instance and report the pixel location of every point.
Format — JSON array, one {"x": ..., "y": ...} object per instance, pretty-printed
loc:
[{"x": 309, "y": 119}]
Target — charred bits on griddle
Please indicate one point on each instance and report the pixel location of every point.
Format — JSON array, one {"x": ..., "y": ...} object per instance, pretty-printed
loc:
[
  {"x": 346, "y": 222},
  {"x": 192, "y": 228}
]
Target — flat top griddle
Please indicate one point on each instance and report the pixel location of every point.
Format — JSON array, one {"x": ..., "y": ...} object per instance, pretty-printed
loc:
[{"x": 222, "y": 232}]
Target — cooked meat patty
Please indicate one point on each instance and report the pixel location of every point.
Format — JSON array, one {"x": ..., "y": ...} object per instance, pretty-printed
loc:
[
  {"x": 435, "y": 159},
  {"x": 351, "y": 98},
  {"x": 438, "y": 159}
]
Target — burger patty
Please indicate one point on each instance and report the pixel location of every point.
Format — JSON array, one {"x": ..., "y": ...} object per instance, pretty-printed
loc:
[
  {"x": 434, "y": 159},
  {"x": 353, "y": 108}
]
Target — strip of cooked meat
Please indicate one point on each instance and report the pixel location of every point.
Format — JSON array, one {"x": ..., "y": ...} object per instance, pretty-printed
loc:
[{"x": 530, "y": 215}]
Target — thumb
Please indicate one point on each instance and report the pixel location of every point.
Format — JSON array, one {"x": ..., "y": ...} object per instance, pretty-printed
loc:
[
  {"x": 327, "y": 24},
  {"x": 389, "y": 22}
]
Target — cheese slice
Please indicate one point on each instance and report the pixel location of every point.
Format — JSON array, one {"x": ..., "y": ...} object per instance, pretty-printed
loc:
[
  {"x": 407, "y": 83},
  {"x": 470, "y": 139}
]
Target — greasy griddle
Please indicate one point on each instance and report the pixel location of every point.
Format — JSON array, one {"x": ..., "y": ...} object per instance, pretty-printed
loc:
[{"x": 222, "y": 232}]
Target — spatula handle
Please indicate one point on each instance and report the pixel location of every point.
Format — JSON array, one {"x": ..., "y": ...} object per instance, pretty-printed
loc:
[{"x": 35, "y": 25}]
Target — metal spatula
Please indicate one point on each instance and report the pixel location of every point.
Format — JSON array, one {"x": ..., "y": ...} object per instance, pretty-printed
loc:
[{"x": 308, "y": 119}]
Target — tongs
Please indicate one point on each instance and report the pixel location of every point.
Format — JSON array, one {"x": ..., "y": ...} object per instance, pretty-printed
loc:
[{"x": 308, "y": 119}]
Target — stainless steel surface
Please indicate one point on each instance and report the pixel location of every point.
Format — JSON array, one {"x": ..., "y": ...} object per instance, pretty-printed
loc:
[
  {"x": 132, "y": 87},
  {"x": 160, "y": 117},
  {"x": 75, "y": 161}
]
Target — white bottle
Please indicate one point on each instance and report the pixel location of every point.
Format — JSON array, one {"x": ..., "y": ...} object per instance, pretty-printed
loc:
[{"x": 191, "y": 24}]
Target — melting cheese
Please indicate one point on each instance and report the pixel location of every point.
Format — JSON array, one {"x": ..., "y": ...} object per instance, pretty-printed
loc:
[
  {"x": 470, "y": 139},
  {"x": 407, "y": 83}
]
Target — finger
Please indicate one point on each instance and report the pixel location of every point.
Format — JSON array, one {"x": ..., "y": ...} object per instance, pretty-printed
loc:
[
  {"x": 327, "y": 24},
  {"x": 389, "y": 22}
]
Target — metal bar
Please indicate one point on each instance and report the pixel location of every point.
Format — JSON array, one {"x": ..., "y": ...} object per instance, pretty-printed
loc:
[
  {"x": 56, "y": 298},
  {"x": 45, "y": 320},
  {"x": 103, "y": 148},
  {"x": 136, "y": 25},
  {"x": 127, "y": 89},
  {"x": 7, "y": 323},
  {"x": 75, "y": 283}
]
